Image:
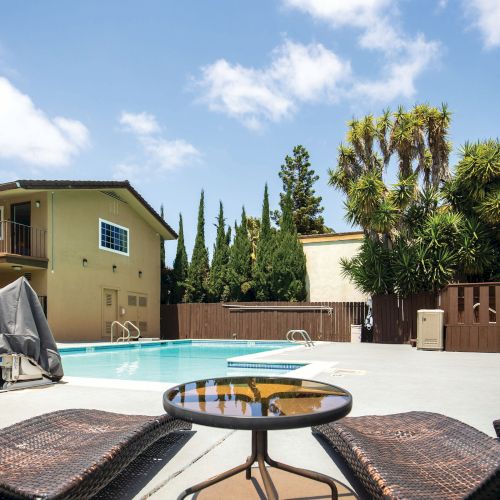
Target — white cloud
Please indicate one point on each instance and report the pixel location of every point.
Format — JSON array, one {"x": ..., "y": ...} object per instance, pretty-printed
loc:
[
  {"x": 161, "y": 154},
  {"x": 28, "y": 134},
  {"x": 405, "y": 57},
  {"x": 308, "y": 73},
  {"x": 400, "y": 74},
  {"x": 170, "y": 154},
  {"x": 369, "y": 15},
  {"x": 485, "y": 15},
  {"x": 139, "y": 123},
  {"x": 296, "y": 73}
]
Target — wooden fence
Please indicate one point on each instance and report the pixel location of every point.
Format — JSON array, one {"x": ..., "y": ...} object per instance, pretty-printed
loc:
[
  {"x": 395, "y": 318},
  {"x": 471, "y": 322},
  {"x": 471, "y": 317},
  {"x": 261, "y": 320}
]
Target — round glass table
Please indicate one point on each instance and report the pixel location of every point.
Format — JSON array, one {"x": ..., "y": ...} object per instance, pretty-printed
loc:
[{"x": 258, "y": 404}]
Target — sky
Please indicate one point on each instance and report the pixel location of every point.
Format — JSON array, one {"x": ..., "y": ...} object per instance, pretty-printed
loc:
[{"x": 178, "y": 97}]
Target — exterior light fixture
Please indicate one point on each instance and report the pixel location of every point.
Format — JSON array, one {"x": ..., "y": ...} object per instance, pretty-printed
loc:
[
  {"x": 17, "y": 268},
  {"x": 37, "y": 203},
  {"x": 85, "y": 262},
  {"x": 114, "y": 268},
  {"x": 140, "y": 274}
]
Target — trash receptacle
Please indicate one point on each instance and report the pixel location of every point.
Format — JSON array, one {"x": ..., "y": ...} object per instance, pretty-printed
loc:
[{"x": 355, "y": 334}]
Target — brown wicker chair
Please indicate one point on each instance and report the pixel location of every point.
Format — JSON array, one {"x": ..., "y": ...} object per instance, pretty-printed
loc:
[
  {"x": 418, "y": 455},
  {"x": 73, "y": 454}
]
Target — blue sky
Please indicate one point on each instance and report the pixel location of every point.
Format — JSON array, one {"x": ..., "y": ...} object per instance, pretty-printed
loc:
[{"x": 180, "y": 96}]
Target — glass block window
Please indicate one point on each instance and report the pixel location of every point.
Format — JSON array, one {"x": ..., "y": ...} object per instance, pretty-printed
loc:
[{"x": 113, "y": 237}]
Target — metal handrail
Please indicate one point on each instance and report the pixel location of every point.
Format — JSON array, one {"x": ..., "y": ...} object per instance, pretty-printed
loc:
[
  {"x": 290, "y": 336},
  {"x": 136, "y": 329},
  {"x": 124, "y": 328},
  {"x": 20, "y": 239}
]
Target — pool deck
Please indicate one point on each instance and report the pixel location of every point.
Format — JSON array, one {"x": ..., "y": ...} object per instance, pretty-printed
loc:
[{"x": 382, "y": 379}]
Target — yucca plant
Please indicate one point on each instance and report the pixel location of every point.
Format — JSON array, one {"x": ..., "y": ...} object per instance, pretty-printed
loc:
[
  {"x": 368, "y": 270},
  {"x": 406, "y": 268},
  {"x": 475, "y": 251}
]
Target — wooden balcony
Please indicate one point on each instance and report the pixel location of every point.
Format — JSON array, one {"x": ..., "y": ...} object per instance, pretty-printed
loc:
[{"x": 22, "y": 245}]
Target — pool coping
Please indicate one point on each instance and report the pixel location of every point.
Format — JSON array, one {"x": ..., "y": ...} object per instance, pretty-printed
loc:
[{"x": 98, "y": 346}]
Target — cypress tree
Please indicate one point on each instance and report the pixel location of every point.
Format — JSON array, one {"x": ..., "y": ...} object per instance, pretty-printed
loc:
[
  {"x": 264, "y": 255},
  {"x": 181, "y": 266},
  {"x": 166, "y": 274},
  {"x": 218, "y": 289},
  {"x": 240, "y": 263},
  {"x": 197, "y": 279},
  {"x": 298, "y": 177},
  {"x": 289, "y": 262},
  {"x": 162, "y": 243}
]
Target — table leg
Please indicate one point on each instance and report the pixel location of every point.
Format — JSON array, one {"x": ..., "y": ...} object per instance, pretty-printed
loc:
[
  {"x": 316, "y": 476},
  {"x": 225, "y": 475},
  {"x": 259, "y": 454}
]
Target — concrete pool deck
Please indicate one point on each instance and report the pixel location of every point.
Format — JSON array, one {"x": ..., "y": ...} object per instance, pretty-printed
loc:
[{"x": 382, "y": 379}]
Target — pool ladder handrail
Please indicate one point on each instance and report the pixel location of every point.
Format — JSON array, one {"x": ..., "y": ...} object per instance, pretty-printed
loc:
[
  {"x": 123, "y": 338},
  {"x": 475, "y": 306},
  {"x": 136, "y": 328},
  {"x": 290, "y": 336}
]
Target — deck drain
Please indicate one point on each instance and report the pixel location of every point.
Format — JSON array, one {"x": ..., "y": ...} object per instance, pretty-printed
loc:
[{"x": 341, "y": 372}]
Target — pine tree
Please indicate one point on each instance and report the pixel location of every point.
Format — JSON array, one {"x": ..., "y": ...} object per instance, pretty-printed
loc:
[
  {"x": 298, "y": 177},
  {"x": 240, "y": 263},
  {"x": 197, "y": 279},
  {"x": 181, "y": 266},
  {"x": 262, "y": 271},
  {"x": 289, "y": 262},
  {"x": 218, "y": 288}
]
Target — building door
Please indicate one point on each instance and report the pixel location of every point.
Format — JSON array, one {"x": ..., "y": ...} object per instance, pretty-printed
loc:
[
  {"x": 109, "y": 313},
  {"x": 137, "y": 311},
  {"x": 20, "y": 214}
]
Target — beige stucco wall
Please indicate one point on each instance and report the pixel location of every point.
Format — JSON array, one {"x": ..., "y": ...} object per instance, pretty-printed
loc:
[
  {"x": 324, "y": 279},
  {"x": 75, "y": 292}
]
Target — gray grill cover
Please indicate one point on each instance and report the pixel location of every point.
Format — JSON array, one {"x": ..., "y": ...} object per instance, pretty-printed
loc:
[{"x": 24, "y": 328}]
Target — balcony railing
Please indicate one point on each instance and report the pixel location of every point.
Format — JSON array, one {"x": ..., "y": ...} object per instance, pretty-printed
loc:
[{"x": 19, "y": 239}]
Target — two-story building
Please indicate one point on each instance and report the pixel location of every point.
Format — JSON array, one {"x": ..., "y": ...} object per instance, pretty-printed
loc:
[{"x": 91, "y": 251}]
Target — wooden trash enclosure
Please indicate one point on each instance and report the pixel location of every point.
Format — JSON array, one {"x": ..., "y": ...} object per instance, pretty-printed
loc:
[
  {"x": 261, "y": 320},
  {"x": 471, "y": 317},
  {"x": 395, "y": 318}
]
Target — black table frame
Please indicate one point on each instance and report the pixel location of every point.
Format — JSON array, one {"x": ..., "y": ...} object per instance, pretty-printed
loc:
[{"x": 259, "y": 427}]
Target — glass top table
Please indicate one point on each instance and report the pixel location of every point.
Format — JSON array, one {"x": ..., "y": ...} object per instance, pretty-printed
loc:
[{"x": 258, "y": 404}]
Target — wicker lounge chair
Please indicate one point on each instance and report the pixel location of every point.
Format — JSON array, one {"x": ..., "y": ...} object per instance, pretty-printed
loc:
[
  {"x": 74, "y": 453},
  {"x": 418, "y": 455}
]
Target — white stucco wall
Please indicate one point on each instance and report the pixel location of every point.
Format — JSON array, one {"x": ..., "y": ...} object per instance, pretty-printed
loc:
[{"x": 324, "y": 279}]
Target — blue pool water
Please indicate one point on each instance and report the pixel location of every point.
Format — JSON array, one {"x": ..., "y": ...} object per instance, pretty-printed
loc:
[{"x": 170, "y": 362}]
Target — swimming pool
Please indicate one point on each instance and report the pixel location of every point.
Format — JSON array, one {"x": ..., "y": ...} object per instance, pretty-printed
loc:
[{"x": 172, "y": 361}]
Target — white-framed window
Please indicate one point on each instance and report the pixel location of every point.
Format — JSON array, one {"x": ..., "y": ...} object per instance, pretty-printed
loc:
[
  {"x": 113, "y": 237},
  {"x": 1, "y": 222}
]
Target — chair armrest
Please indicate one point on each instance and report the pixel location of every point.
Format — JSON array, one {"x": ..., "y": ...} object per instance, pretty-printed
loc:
[{"x": 496, "y": 425}]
